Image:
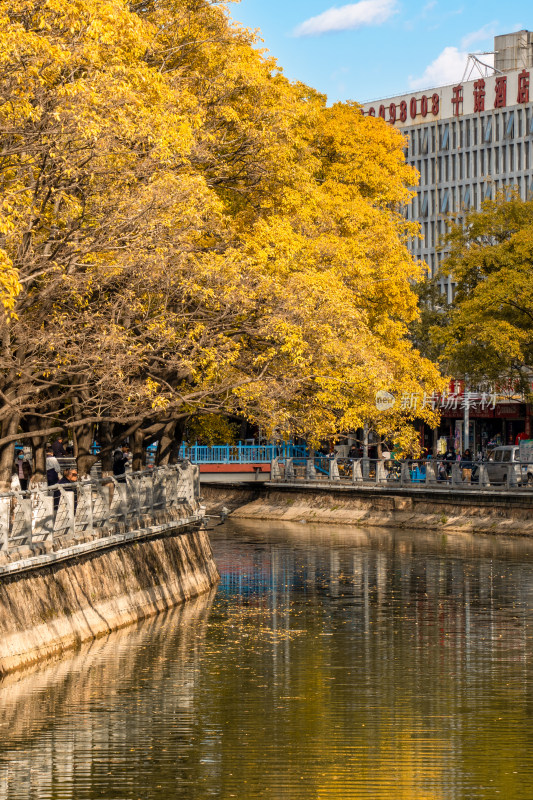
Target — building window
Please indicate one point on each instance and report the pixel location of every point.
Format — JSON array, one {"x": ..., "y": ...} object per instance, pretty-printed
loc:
[
  {"x": 518, "y": 156},
  {"x": 424, "y": 205},
  {"x": 487, "y": 195},
  {"x": 467, "y": 164},
  {"x": 467, "y": 132},
  {"x": 496, "y": 160},
  {"x": 487, "y": 133},
  {"x": 425, "y": 138},
  {"x": 445, "y": 200},
  {"x": 496, "y": 127},
  {"x": 481, "y": 162},
  {"x": 504, "y": 160},
  {"x": 489, "y": 160},
  {"x": 511, "y": 158},
  {"x": 466, "y": 197},
  {"x": 519, "y": 123},
  {"x": 445, "y": 137},
  {"x": 509, "y": 128}
]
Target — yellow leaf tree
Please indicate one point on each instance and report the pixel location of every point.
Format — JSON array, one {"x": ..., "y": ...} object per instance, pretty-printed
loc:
[{"x": 192, "y": 233}]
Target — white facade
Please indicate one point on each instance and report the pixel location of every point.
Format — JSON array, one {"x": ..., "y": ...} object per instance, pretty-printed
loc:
[{"x": 467, "y": 141}]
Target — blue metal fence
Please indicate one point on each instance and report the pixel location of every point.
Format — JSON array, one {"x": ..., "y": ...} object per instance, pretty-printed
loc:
[{"x": 241, "y": 453}]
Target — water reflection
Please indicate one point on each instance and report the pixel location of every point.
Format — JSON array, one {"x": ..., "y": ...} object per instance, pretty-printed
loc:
[{"x": 333, "y": 663}]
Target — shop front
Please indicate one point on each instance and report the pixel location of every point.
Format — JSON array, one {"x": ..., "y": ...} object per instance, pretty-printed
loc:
[{"x": 506, "y": 423}]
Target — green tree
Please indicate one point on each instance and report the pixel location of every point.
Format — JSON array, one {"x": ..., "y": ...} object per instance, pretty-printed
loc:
[{"x": 489, "y": 328}]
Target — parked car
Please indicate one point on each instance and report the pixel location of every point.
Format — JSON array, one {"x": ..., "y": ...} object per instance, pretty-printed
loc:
[{"x": 505, "y": 460}]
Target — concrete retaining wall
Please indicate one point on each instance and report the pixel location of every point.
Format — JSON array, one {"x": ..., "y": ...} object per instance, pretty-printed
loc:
[
  {"x": 450, "y": 510},
  {"x": 53, "y": 604}
]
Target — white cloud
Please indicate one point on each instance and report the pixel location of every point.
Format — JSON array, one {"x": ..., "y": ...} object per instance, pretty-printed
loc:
[
  {"x": 449, "y": 66},
  {"x": 348, "y": 17},
  {"x": 488, "y": 31}
]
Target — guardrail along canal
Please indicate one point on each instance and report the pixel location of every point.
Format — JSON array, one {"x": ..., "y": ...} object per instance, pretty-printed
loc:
[{"x": 330, "y": 663}]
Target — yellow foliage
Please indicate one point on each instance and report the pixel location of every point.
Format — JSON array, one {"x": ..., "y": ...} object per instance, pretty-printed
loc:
[{"x": 193, "y": 232}]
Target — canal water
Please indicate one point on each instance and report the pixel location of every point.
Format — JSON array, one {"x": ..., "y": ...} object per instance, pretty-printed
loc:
[{"x": 329, "y": 663}]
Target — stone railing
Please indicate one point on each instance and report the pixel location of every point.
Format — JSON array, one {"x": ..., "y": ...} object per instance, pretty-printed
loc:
[
  {"x": 50, "y": 519},
  {"x": 435, "y": 473}
]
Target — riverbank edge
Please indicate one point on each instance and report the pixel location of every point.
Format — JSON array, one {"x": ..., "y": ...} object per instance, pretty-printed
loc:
[
  {"x": 458, "y": 510},
  {"x": 50, "y": 604}
]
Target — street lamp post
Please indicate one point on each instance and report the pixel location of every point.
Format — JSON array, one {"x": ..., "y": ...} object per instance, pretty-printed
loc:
[{"x": 466, "y": 416}]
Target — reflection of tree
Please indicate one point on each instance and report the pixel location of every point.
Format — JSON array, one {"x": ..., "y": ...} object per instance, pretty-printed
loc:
[
  {"x": 334, "y": 664},
  {"x": 392, "y": 702},
  {"x": 88, "y": 703}
]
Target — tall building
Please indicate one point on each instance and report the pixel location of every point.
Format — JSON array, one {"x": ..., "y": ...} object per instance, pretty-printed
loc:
[{"x": 467, "y": 141}]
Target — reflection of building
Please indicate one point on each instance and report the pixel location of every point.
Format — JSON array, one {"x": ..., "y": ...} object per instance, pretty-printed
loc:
[{"x": 467, "y": 141}]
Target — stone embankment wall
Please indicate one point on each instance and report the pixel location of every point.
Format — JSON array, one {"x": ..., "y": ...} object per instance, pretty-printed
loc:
[
  {"x": 418, "y": 508},
  {"x": 55, "y": 601}
]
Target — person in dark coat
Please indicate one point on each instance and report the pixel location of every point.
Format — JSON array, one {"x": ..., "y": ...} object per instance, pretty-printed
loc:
[
  {"x": 69, "y": 480},
  {"x": 466, "y": 465},
  {"x": 120, "y": 460},
  {"x": 57, "y": 448}
]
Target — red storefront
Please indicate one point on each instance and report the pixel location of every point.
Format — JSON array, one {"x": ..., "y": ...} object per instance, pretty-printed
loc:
[{"x": 494, "y": 420}]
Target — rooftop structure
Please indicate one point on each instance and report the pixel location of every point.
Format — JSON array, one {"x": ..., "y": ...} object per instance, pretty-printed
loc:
[{"x": 467, "y": 141}]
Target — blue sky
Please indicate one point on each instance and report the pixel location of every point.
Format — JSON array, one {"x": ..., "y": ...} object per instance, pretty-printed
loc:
[{"x": 377, "y": 48}]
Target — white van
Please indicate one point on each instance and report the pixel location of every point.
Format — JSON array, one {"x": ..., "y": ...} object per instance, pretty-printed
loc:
[{"x": 505, "y": 460}]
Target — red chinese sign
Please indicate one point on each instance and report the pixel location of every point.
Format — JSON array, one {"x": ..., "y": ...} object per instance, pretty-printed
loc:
[
  {"x": 500, "y": 92},
  {"x": 475, "y": 95},
  {"x": 479, "y": 95},
  {"x": 457, "y": 100},
  {"x": 396, "y": 112},
  {"x": 523, "y": 87}
]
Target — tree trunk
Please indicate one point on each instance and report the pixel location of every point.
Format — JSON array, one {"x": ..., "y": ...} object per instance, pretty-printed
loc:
[
  {"x": 7, "y": 452},
  {"x": 179, "y": 431},
  {"x": 138, "y": 450},
  {"x": 106, "y": 439},
  {"x": 83, "y": 439},
  {"x": 166, "y": 444},
  {"x": 39, "y": 453}
]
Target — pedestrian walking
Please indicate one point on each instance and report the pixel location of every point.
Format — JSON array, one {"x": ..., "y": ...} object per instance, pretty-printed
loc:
[
  {"x": 58, "y": 448},
  {"x": 120, "y": 461},
  {"x": 23, "y": 471},
  {"x": 53, "y": 470},
  {"x": 466, "y": 466}
]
